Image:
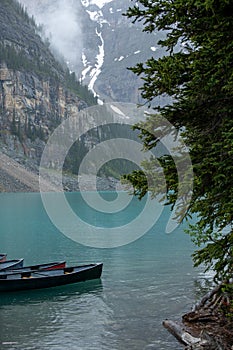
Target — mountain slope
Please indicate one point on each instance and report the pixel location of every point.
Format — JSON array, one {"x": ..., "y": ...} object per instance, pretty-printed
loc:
[
  {"x": 36, "y": 91},
  {"x": 124, "y": 46},
  {"x": 100, "y": 44}
]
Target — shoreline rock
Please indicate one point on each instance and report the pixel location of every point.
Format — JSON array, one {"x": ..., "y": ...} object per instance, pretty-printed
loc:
[{"x": 205, "y": 327}]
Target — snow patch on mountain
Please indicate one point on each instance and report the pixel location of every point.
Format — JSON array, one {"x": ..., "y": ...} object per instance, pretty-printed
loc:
[
  {"x": 87, "y": 67},
  {"x": 95, "y": 72},
  {"x": 119, "y": 112},
  {"x": 97, "y": 16},
  {"x": 92, "y": 70},
  {"x": 99, "y": 3}
]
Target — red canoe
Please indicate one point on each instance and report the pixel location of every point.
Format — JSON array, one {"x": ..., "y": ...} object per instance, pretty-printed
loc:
[{"x": 45, "y": 267}]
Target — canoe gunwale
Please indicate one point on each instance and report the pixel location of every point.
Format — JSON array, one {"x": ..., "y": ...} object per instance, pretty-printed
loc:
[
  {"x": 31, "y": 268},
  {"x": 10, "y": 264}
]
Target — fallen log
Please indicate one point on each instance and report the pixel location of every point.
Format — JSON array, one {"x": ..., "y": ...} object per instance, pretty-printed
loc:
[
  {"x": 181, "y": 333},
  {"x": 202, "y": 342},
  {"x": 207, "y": 297},
  {"x": 206, "y": 327},
  {"x": 196, "y": 316}
]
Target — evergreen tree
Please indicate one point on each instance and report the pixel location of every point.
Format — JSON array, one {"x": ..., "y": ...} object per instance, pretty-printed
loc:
[{"x": 197, "y": 74}]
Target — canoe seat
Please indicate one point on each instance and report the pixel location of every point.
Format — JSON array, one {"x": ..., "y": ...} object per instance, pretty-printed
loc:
[
  {"x": 26, "y": 275},
  {"x": 68, "y": 270}
]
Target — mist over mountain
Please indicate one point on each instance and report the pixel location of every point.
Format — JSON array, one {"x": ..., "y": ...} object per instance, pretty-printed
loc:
[
  {"x": 60, "y": 26},
  {"x": 97, "y": 42}
]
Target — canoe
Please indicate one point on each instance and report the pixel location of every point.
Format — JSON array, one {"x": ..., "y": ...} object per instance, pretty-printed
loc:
[
  {"x": 52, "y": 278},
  {"x": 10, "y": 264},
  {"x": 46, "y": 267},
  {"x": 2, "y": 257}
]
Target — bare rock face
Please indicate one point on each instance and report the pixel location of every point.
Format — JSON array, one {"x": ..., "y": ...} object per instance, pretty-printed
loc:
[
  {"x": 31, "y": 108},
  {"x": 25, "y": 97},
  {"x": 35, "y": 93}
]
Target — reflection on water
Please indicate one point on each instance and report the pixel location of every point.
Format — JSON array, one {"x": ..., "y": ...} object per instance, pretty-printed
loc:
[{"x": 51, "y": 317}]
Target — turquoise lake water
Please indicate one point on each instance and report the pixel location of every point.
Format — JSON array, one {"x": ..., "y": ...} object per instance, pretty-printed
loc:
[{"x": 142, "y": 283}]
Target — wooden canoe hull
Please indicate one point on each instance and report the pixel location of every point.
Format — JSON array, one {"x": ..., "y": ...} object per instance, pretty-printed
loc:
[
  {"x": 11, "y": 264},
  {"x": 48, "y": 279},
  {"x": 46, "y": 267}
]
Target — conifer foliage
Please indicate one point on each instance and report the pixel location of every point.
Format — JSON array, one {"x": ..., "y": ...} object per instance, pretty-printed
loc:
[{"x": 197, "y": 74}]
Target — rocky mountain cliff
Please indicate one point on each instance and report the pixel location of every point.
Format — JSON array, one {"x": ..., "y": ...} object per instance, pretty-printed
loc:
[
  {"x": 100, "y": 43},
  {"x": 36, "y": 91}
]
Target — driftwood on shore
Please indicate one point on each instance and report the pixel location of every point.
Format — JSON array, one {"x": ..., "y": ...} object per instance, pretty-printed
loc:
[
  {"x": 205, "y": 326},
  {"x": 181, "y": 333},
  {"x": 185, "y": 336},
  {"x": 207, "y": 297}
]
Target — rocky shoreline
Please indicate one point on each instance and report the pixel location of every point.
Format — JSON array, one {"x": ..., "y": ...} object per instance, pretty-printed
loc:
[
  {"x": 207, "y": 326},
  {"x": 16, "y": 178},
  {"x": 10, "y": 184}
]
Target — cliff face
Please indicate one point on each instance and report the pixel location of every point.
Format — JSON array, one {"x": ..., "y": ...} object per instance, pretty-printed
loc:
[
  {"x": 36, "y": 91},
  {"x": 30, "y": 109},
  {"x": 28, "y": 97}
]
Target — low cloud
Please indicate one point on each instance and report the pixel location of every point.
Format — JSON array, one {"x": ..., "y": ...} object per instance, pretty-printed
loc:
[{"x": 61, "y": 25}]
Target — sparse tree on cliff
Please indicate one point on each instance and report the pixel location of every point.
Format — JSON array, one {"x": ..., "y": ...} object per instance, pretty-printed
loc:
[{"x": 197, "y": 73}]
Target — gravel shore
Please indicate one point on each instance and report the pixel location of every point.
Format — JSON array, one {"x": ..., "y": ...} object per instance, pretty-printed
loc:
[{"x": 16, "y": 178}]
